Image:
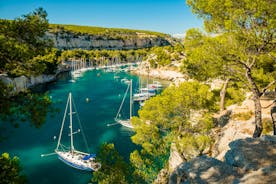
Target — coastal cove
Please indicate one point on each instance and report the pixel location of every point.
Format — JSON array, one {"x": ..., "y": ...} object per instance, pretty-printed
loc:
[
  {"x": 104, "y": 93},
  {"x": 138, "y": 99}
]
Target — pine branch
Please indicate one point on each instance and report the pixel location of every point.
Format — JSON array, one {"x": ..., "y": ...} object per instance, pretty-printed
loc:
[{"x": 268, "y": 86}]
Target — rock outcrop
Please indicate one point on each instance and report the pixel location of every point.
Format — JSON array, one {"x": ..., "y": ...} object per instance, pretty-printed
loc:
[
  {"x": 252, "y": 154},
  {"x": 165, "y": 73},
  {"x": 163, "y": 177},
  {"x": 204, "y": 170},
  {"x": 70, "y": 40},
  {"x": 22, "y": 83},
  {"x": 261, "y": 176},
  {"x": 248, "y": 161},
  {"x": 230, "y": 129},
  {"x": 175, "y": 158}
]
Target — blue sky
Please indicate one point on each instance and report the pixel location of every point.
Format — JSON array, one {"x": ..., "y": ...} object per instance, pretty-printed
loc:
[{"x": 167, "y": 16}]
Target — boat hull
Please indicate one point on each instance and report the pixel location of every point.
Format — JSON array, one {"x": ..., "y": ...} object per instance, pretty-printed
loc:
[
  {"x": 75, "y": 160},
  {"x": 125, "y": 123},
  {"x": 74, "y": 165},
  {"x": 141, "y": 96}
]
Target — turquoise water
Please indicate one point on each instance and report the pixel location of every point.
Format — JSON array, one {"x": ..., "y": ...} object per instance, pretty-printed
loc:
[{"x": 105, "y": 94}]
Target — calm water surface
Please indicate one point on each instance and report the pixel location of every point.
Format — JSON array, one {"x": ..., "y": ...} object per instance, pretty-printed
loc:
[{"x": 105, "y": 94}]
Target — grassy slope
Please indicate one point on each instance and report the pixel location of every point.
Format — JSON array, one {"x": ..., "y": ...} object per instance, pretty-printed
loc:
[{"x": 101, "y": 30}]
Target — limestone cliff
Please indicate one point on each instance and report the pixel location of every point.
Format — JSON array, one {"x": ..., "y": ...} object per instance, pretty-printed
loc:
[
  {"x": 22, "y": 83},
  {"x": 66, "y": 38}
]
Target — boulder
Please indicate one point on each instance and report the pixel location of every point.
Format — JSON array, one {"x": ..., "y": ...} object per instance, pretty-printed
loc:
[
  {"x": 175, "y": 158},
  {"x": 252, "y": 154},
  {"x": 21, "y": 83},
  {"x": 261, "y": 176},
  {"x": 40, "y": 79},
  {"x": 204, "y": 169},
  {"x": 6, "y": 80},
  {"x": 249, "y": 160}
]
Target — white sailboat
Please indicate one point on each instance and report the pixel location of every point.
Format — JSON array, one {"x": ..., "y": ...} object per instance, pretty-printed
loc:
[
  {"x": 71, "y": 156},
  {"x": 144, "y": 93},
  {"x": 156, "y": 85},
  {"x": 127, "y": 122}
]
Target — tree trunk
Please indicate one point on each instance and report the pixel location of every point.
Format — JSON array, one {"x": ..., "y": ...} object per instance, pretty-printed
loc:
[
  {"x": 258, "y": 117},
  {"x": 257, "y": 103},
  {"x": 222, "y": 95},
  {"x": 273, "y": 117}
]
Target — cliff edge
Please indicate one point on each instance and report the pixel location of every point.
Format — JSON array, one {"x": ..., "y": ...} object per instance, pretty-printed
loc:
[
  {"x": 250, "y": 160},
  {"x": 69, "y": 37}
]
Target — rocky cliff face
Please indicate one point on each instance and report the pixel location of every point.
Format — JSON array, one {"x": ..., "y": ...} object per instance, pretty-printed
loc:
[
  {"x": 70, "y": 40},
  {"x": 22, "y": 83},
  {"x": 248, "y": 161},
  {"x": 234, "y": 147}
]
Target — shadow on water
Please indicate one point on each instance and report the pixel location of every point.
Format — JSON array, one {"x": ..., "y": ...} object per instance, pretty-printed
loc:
[
  {"x": 25, "y": 107},
  {"x": 32, "y": 107}
]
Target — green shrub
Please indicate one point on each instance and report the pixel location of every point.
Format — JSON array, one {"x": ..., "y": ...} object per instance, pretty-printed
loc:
[
  {"x": 243, "y": 116},
  {"x": 267, "y": 126}
]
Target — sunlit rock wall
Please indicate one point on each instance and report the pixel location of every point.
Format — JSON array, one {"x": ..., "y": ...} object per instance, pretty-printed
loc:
[{"x": 68, "y": 40}]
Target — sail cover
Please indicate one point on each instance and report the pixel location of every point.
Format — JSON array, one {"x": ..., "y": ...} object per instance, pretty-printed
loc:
[{"x": 86, "y": 157}]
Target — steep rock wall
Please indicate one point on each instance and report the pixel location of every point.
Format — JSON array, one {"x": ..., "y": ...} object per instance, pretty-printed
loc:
[
  {"x": 22, "y": 83},
  {"x": 70, "y": 40}
]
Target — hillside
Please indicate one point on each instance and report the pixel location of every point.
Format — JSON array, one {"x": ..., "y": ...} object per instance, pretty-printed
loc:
[
  {"x": 234, "y": 156},
  {"x": 101, "y": 30},
  {"x": 86, "y": 37}
]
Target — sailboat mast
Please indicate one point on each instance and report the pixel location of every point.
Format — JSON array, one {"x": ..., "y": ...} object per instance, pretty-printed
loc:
[
  {"x": 62, "y": 125},
  {"x": 130, "y": 100},
  {"x": 71, "y": 126},
  {"x": 140, "y": 84},
  {"x": 148, "y": 81}
]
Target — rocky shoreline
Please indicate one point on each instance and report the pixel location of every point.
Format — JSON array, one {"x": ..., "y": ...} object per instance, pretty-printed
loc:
[
  {"x": 165, "y": 74},
  {"x": 22, "y": 83}
]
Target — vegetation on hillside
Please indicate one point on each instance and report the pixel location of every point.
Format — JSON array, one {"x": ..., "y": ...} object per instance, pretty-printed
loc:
[
  {"x": 170, "y": 118},
  {"x": 104, "y": 32},
  {"x": 104, "y": 56},
  {"x": 206, "y": 60},
  {"x": 156, "y": 56},
  {"x": 165, "y": 56},
  {"x": 23, "y": 49},
  {"x": 245, "y": 43},
  {"x": 166, "y": 119}
]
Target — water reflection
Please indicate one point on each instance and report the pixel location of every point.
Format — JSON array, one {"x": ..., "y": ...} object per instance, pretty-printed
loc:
[{"x": 32, "y": 107}]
